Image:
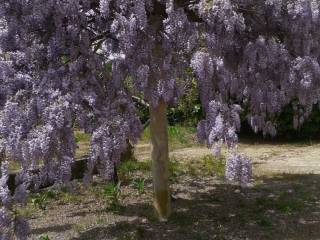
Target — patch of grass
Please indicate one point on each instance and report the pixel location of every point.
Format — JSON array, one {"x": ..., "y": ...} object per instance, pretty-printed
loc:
[
  {"x": 44, "y": 237},
  {"x": 176, "y": 169},
  {"x": 14, "y": 166},
  {"x": 139, "y": 184},
  {"x": 100, "y": 221},
  {"x": 289, "y": 206},
  {"x": 25, "y": 211},
  {"x": 285, "y": 203},
  {"x": 111, "y": 192},
  {"x": 127, "y": 169},
  {"x": 181, "y": 137},
  {"x": 213, "y": 165},
  {"x": 81, "y": 136},
  {"x": 207, "y": 166},
  {"x": 83, "y": 141},
  {"x": 192, "y": 170},
  {"x": 70, "y": 197},
  {"x": 146, "y": 135},
  {"x": 306, "y": 196},
  {"x": 178, "y": 136},
  {"x": 303, "y": 193},
  {"x": 41, "y": 200},
  {"x": 131, "y": 166},
  {"x": 288, "y": 203}
]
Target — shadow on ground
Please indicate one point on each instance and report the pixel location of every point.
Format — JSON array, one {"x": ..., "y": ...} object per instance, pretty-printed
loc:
[
  {"x": 278, "y": 207},
  {"x": 58, "y": 228}
]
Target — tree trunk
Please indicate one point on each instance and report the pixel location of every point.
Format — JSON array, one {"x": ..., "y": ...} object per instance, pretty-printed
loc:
[
  {"x": 2, "y": 158},
  {"x": 160, "y": 159}
]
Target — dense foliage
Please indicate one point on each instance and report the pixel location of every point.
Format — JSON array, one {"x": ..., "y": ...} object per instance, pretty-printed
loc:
[
  {"x": 66, "y": 60},
  {"x": 189, "y": 112}
]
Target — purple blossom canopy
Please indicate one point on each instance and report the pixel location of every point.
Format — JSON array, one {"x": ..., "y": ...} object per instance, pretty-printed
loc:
[{"x": 80, "y": 61}]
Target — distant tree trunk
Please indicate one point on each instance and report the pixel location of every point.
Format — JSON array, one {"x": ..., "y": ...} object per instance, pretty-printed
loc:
[
  {"x": 127, "y": 155},
  {"x": 160, "y": 159},
  {"x": 2, "y": 159}
]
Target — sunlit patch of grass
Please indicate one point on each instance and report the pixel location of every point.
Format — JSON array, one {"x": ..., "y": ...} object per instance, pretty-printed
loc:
[
  {"x": 100, "y": 221},
  {"x": 70, "y": 197},
  {"x": 27, "y": 211},
  {"x": 214, "y": 165},
  {"x": 83, "y": 141},
  {"x": 146, "y": 135},
  {"x": 206, "y": 166},
  {"x": 178, "y": 136},
  {"x": 14, "y": 166},
  {"x": 81, "y": 136},
  {"x": 176, "y": 169}
]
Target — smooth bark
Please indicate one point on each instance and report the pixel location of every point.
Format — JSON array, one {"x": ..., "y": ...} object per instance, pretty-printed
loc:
[{"x": 160, "y": 160}]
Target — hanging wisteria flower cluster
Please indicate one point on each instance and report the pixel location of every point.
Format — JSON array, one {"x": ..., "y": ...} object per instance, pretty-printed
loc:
[
  {"x": 80, "y": 61},
  {"x": 238, "y": 168}
]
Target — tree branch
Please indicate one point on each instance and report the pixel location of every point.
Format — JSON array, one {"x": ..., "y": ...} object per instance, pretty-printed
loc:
[{"x": 141, "y": 101}]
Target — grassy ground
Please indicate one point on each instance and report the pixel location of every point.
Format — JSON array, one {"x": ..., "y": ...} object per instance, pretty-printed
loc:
[
  {"x": 178, "y": 136},
  {"x": 205, "y": 206},
  {"x": 83, "y": 142},
  {"x": 279, "y": 204}
]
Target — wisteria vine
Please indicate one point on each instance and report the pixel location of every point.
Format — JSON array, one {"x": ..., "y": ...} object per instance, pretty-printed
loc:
[{"x": 80, "y": 61}]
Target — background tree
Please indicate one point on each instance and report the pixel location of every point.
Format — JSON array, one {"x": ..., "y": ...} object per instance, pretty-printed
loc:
[{"x": 66, "y": 60}]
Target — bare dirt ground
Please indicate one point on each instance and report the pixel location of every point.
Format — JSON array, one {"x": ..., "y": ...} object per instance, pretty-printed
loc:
[
  {"x": 284, "y": 158},
  {"x": 282, "y": 203},
  {"x": 267, "y": 158}
]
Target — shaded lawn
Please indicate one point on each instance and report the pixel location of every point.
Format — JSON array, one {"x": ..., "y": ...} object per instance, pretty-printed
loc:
[
  {"x": 205, "y": 207},
  {"x": 282, "y": 207}
]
